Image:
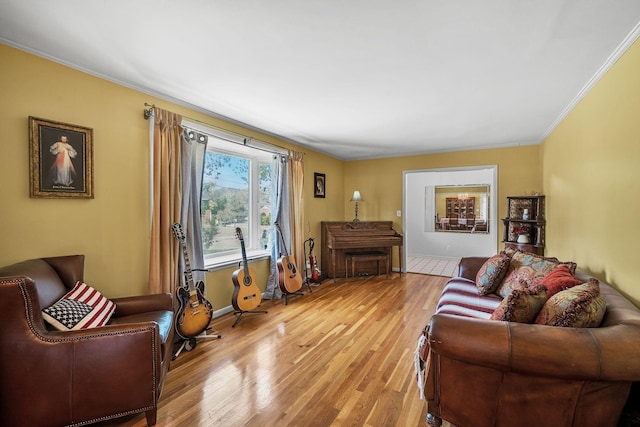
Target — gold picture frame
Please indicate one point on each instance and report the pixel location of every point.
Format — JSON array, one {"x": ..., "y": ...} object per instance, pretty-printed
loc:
[{"x": 60, "y": 160}]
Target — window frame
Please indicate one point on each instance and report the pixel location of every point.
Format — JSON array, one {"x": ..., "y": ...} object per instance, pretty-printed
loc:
[{"x": 225, "y": 143}]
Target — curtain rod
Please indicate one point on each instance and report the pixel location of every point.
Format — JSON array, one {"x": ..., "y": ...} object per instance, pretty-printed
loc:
[{"x": 247, "y": 139}]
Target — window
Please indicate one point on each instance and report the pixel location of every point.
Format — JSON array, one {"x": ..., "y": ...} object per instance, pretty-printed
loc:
[{"x": 236, "y": 192}]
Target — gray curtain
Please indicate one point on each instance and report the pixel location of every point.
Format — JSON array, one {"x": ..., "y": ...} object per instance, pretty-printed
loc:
[
  {"x": 280, "y": 213},
  {"x": 193, "y": 153}
]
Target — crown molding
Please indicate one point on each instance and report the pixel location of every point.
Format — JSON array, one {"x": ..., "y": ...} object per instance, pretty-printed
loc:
[{"x": 611, "y": 60}]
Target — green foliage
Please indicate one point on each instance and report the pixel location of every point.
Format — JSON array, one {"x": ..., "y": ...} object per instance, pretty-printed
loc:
[
  {"x": 265, "y": 219},
  {"x": 225, "y": 196}
]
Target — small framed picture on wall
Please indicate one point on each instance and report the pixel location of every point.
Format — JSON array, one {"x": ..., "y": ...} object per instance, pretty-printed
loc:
[
  {"x": 319, "y": 185},
  {"x": 60, "y": 159}
]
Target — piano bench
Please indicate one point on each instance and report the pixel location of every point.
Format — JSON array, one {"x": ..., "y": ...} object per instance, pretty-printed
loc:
[{"x": 351, "y": 258}]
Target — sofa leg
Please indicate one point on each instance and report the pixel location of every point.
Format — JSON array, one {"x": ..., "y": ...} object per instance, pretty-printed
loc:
[
  {"x": 434, "y": 421},
  {"x": 151, "y": 416}
]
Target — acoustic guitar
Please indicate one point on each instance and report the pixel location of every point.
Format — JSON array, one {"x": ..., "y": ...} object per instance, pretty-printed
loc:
[
  {"x": 195, "y": 312},
  {"x": 246, "y": 294},
  {"x": 289, "y": 278}
]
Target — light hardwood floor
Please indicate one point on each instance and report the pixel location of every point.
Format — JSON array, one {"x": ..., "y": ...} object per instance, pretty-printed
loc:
[{"x": 339, "y": 356}]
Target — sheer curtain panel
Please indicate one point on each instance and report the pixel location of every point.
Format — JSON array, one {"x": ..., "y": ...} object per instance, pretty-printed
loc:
[
  {"x": 279, "y": 214},
  {"x": 193, "y": 153}
]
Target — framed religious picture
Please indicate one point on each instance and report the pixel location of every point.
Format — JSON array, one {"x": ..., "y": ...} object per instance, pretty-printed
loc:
[
  {"x": 319, "y": 185},
  {"x": 60, "y": 159}
]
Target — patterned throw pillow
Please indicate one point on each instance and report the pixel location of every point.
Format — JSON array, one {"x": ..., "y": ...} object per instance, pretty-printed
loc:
[
  {"x": 558, "y": 280},
  {"x": 491, "y": 273},
  {"x": 580, "y": 307},
  {"x": 525, "y": 267},
  {"x": 81, "y": 308},
  {"x": 509, "y": 251},
  {"x": 522, "y": 305}
]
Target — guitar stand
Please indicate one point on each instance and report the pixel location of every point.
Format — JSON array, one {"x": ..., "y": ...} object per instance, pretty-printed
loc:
[
  {"x": 189, "y": 344},
  {"x": 308, "y": 283},
  {"x": 239, "y": 313},
  {"x": 286, "y": 295},
  {"x": 307, "y": 279}
]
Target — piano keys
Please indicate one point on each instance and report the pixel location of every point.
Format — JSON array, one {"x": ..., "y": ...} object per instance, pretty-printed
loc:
[{"x": 339, "y": 238}]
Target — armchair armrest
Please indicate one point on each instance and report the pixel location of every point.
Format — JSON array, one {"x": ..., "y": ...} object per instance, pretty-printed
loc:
[
  {"x": 142, "y": 303},
  {"x": 111, "y": 367}
]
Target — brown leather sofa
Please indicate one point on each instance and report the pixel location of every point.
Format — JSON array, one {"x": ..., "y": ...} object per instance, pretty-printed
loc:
[
  {"x": 494, "y": 373},
  {"x": 55, "y": 378}
]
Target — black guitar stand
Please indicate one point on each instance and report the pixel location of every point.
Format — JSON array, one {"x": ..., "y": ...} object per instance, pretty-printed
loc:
[
  {"x": 286, "y": 294},
  {"x": 189, "y": 344},
  {"x": 307, "y": 255},
  {"x": 239, "y": 314}
]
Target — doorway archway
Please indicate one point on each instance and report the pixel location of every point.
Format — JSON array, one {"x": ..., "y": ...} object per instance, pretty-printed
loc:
[{"x": 421, "y": 218}]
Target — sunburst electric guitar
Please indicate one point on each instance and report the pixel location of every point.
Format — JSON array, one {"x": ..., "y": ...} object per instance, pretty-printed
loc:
[
  {"x": 246, "y": 294},
  {"x": 195, "y": 312},
  {"x": 289, "y": 277}
]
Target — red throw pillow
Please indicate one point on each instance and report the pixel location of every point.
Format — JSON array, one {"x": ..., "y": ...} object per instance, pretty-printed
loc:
[{"x": 558, "y": 280}]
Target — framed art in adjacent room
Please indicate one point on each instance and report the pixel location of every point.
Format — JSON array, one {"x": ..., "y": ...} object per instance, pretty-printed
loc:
[
  {"x": 60, "y": 159},
  {"x": 319, "y": 183}
]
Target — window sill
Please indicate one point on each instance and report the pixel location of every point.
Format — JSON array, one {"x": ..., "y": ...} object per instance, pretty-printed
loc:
[{"x": 235, "y": 260}]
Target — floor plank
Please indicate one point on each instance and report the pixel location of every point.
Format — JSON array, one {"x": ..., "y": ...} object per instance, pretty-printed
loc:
[{"x": 339, "y": 356}]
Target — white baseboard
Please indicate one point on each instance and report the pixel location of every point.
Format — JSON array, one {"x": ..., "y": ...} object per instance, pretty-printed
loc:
[{"x": 222, "y": 311}]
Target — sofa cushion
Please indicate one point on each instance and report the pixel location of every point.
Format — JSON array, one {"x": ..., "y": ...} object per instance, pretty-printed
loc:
[
  {"x": 460, "y": 297},
  {"x": 525, "y": 267},
  {"x": 491, "y": 273},
  {"x": 522, "y": 305},
  {"x": 81, "y": 308},
  {"x": 558, "y": 280},
  {"x": 580, "y": 307}
]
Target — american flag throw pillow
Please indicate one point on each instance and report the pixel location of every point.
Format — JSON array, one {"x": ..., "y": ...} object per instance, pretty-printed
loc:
[{"x": 81, "y": 308}]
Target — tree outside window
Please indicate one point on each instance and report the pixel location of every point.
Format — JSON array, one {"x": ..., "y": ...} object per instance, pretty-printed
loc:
[{"x": 236, "y": 192}]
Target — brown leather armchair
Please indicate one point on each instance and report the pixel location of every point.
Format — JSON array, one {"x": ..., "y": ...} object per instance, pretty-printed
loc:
[{"x": 54, "y": 378}]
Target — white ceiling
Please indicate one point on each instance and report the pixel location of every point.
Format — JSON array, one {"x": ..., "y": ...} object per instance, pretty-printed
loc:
[{"x": 354, "y": 79}]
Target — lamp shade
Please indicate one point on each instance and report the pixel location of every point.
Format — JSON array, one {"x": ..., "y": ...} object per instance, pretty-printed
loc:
[{"x": 356, "y": 196}]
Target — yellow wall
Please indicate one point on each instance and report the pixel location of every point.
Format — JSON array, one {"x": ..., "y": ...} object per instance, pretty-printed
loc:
[
  {"x": 329, "y": 208},
  {"x": 587, "y": 168},
  {"x": 112, "y": 229},
  {"x": 380, "y": 180},
  {"x": 591, "y": 170}
]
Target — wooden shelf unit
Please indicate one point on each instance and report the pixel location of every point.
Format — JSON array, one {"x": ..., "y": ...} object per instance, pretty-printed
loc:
[
  {"x": 460, "y": 208},
  {"x": 515, "y": 220}
]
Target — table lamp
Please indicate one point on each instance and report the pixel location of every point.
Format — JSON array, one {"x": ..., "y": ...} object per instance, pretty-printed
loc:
[{"x": 356, "y": 198}]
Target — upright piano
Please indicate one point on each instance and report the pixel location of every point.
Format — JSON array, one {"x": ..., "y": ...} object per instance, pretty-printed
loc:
[{"x": 340, "y": 238}]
